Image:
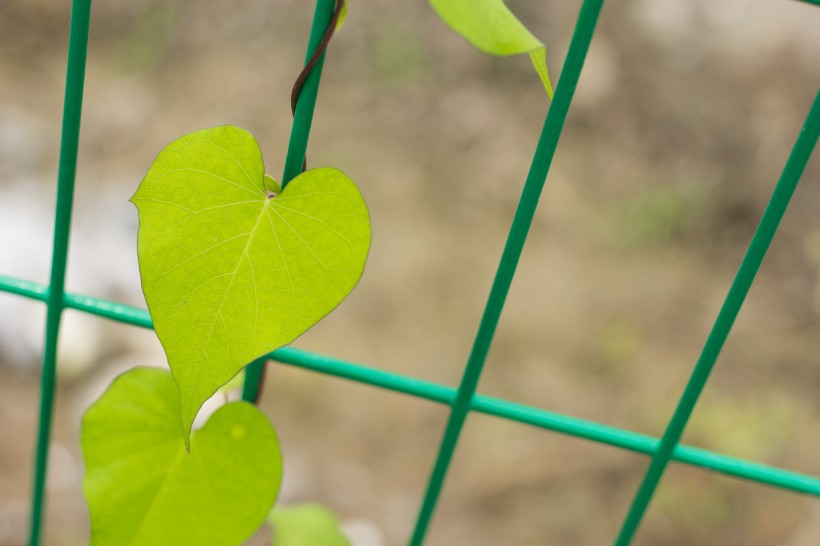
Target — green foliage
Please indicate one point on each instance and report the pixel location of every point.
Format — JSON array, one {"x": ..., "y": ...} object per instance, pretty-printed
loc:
[
  {"x": 342, "y": 16},
  {"x": 230, "y": 272},
  {"x": 233, "y": 266},
  {"x": 144, "y": 489},
  {"x": 491, "y": 27},
  {"x": 398, "y": 57},
  {"x": 656, "y": 216},
  {"x": 620, "y": 341},
  {"x": 756, "y": 427},
  {"x": 306, "y": 525}
]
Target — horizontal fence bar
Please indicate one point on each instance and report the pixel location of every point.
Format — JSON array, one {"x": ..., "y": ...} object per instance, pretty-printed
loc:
[
  {"x": 27, "y": 289},
  {"x": 564, "y": 424}
]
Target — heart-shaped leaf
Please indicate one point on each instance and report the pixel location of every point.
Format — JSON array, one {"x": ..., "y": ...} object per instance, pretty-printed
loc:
[
  {"x": 491, "y": 27},
  {"x": 144, "y": 489},
  {"x": 230, "y": 272},
  {"x": 306, "y": 525}
]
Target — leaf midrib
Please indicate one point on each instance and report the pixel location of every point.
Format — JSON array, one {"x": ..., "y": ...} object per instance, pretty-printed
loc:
[{"x": 242, "y": 256}]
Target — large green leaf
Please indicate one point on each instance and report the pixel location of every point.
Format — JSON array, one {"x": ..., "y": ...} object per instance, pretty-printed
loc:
[
  {"x": 491, "y": 27},
  {"x": 144, "y": 489},
  {"x": 306, "y": 525},
  {"x": 230, "y": 272}
]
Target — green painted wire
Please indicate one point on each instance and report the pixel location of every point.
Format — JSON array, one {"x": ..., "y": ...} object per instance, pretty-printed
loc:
[
  {"x": 783, "y": 192},
  {"x": 57, "y": 301},
  {"x": 563, "y": 424},
  {"x": 72, "y": 111},
  {"x": 541, "y": 162},
  {"x": 303, "y": 116},
  {"x": 297, "y": 148}
]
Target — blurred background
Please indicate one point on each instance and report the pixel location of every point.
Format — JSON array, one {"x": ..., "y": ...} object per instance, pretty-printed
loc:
[{"x": 683, "y": 120}]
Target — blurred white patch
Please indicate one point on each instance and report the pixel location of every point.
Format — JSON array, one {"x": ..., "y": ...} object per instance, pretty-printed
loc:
[
  {"x": 79, "y": 345},
  {"x": 102, "y": 263},
  {"x": 64, "y": 471},
  {"x": 25, "y": 244},
  {"x": 25, "y": 229},
  {"x": 362, "y": 532},
  {"x": 209, "y": 408},
  {"x": 599, "y": 77},
  {"x": 21, "y": 140},
  {"x": 667, "y": 20},
  {"x": 725, "y": 13},
  {"x": 299, "y": 477},
  {"x": 14, "y": 514},
  {"x": 99, "y": 381},
  {"x": 401, "y": 511}
]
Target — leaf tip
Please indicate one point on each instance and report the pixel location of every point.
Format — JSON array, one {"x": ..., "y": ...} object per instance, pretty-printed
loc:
[
  {"x": 539, "y": 61},
  {"x": 187, "y": 427}
]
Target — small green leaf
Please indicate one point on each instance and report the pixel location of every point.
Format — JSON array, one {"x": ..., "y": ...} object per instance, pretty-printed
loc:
[
  {"x": 144, "y": 489},
  {"x": 229, "y": 273},
  {"x": 271, "y": 184},
  {"x": 491, "y": 27},
  {"x": 306, "y": 525},
  {"x": 342, "y": 16}
]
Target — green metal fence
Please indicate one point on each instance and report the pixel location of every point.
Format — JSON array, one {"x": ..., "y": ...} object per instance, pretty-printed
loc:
[{"x": 464, "y": 399}]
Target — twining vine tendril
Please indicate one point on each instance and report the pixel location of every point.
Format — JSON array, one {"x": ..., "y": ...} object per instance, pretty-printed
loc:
[
  {"x": 320, "y": 50},
  {"x": 294, "y": 98}
]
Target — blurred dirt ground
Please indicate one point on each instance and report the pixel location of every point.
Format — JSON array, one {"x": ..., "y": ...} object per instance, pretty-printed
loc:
[{"x": 684, "y": 117}]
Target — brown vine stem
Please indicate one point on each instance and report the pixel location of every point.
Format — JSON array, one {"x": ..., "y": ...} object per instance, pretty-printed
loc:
[
  {"x": 294, "y": 98},
  {"x": 320, "y": 50}
]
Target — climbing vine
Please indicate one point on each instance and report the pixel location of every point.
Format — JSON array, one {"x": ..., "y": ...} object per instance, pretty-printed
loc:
[{"x": 234, "y": 265}]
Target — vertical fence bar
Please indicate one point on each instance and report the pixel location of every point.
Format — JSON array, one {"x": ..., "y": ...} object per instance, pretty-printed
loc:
[
  {"x": 303, "y": 116},
  {"x": 544, "y": 153},
  {"x": 72, "y": 110},
  {"x": 781, "y": 196},
  {"x": 297, "y": 146}
]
